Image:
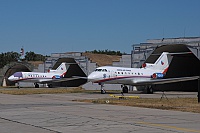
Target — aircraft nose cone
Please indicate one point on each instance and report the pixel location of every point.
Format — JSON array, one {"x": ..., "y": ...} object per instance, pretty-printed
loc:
[
  {"x": 11, "y": 78},
  {"x": 91, "y": 77}
]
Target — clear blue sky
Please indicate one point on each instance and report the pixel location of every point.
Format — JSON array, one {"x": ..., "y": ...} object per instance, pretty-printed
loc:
[{"x": 50, "y": 26}]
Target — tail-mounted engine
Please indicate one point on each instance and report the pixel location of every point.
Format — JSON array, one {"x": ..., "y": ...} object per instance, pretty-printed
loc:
[
  {"x": 157, "y": 75},
  {"x": 147, "y": 65}
]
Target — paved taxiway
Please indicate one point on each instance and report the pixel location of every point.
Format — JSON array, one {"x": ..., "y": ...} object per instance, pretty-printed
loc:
[{"x": 56, "y": 113}]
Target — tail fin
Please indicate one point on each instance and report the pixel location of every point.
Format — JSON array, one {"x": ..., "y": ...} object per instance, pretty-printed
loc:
[
  {"x": 162, "y": 63},
  {"x": 61, "y": 70}
]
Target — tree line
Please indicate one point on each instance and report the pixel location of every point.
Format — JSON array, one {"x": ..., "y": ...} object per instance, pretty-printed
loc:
[
  {"x": 8, "y": 57},
  {"x": 108, "y": 52}
]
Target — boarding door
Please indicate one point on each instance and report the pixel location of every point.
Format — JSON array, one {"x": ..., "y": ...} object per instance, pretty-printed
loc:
[
  {"x": 25, "y": 76},
  {"x": 113, "y": 74}
]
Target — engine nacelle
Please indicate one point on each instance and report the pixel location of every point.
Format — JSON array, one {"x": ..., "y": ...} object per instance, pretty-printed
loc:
[
  {"x": 147, "y": 65},
  {"x": 157, "y": 75},
  {"x": 56, "y": 77},
  {"x": 144, "y": 65},
  {"x": 51, "y": 71}
]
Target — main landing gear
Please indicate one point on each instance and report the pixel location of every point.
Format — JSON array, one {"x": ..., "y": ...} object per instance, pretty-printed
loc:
[
  {"x": 50, "y": 85},
  {"x": 149, "y": 89},
  {"x": 36, "y": 85},
  {"x": 124, "y": 88}
]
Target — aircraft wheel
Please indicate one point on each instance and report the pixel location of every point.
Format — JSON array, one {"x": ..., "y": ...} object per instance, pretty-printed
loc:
[
  {"x": 50, "y": 85},
  {"x": 125, "y": 89},
  {"x": 36, "y": 85},
  {"x": 150, "y": 90},
  {"x": 103, "y": 91}
]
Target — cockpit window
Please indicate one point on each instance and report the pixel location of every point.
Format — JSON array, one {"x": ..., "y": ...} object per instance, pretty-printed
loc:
[
  {"x": 18, "y": 74},
  {"x": 104, "y": 70}
]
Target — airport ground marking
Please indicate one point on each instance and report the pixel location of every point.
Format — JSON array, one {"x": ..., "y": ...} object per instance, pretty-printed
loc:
[
  {"x": 171, "y": 127},
  {"x": 124, "y": 97}
]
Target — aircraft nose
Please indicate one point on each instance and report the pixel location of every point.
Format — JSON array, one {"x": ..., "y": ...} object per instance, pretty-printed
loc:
[
  {"x": 91, "y": 77},
  {"x": 10, "y": 78}
]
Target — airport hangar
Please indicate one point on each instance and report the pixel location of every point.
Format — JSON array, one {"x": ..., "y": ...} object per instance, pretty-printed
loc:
[{"x": 81, "y": 65}]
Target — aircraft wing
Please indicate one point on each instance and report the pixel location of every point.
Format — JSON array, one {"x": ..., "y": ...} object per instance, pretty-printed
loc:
[
  {"x": 59, "y": 80},
  {"x": 164, "y": 81}
]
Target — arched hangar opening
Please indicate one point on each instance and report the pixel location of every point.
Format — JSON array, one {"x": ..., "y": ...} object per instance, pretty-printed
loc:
[
  {"x": 182, "y": 65},
  {"x": 73, "y": 69},
  {"x": 15, "y": 67}
]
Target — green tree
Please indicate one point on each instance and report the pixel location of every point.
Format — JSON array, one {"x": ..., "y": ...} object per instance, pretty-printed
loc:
[
  {"x": 108, "y": 52},
  {"x": 8, "y": 57},
  {"x": 31, "y": 56}
]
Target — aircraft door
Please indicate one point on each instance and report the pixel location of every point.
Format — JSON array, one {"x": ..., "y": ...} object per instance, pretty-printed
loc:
[
  {"x": 113, "y": 74},
  {"x": 25, "y": 75}
]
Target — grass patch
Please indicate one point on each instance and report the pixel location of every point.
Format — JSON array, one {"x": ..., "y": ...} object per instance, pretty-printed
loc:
[
  {"x": 29, "y": 91},
  {"x": 177, "y": 104}
]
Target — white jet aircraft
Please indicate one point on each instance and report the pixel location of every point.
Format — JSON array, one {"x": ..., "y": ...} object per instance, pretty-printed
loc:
[
  {"x": 37, "y": 77},
  {"x": 148, "y": 75}
]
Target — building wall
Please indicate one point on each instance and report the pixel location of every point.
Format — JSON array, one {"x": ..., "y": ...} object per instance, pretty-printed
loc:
[
  {"x": 142, "y": 51},
  {"x": 125, "y": 61},
  {"x": 188, "y": 40}
]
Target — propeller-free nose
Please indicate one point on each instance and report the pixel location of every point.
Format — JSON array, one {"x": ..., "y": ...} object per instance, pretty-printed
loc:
[
  {"x": 11, "y": 78},
  {"x": 93, "y": 77},
  {"x": 90, "y": 77}
]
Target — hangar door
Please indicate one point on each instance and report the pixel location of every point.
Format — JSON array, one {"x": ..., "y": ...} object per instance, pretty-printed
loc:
[{"x": 182, "y": 65}]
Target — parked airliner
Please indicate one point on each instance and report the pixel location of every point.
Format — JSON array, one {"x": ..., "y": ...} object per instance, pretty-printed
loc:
[
  {"x": 149, "y": 74},
  {"x": 36, "y": 77}
]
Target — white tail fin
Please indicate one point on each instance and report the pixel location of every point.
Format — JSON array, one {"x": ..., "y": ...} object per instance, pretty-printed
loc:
[
  {"x": 61, "y": 70},
  {"x": 162, "y": 63}
]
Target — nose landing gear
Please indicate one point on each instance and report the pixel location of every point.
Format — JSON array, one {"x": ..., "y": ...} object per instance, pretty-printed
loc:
[{"x": 102, "y": 90}]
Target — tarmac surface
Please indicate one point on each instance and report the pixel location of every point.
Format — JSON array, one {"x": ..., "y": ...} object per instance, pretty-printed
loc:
[{"x": 58, "y": 113}]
